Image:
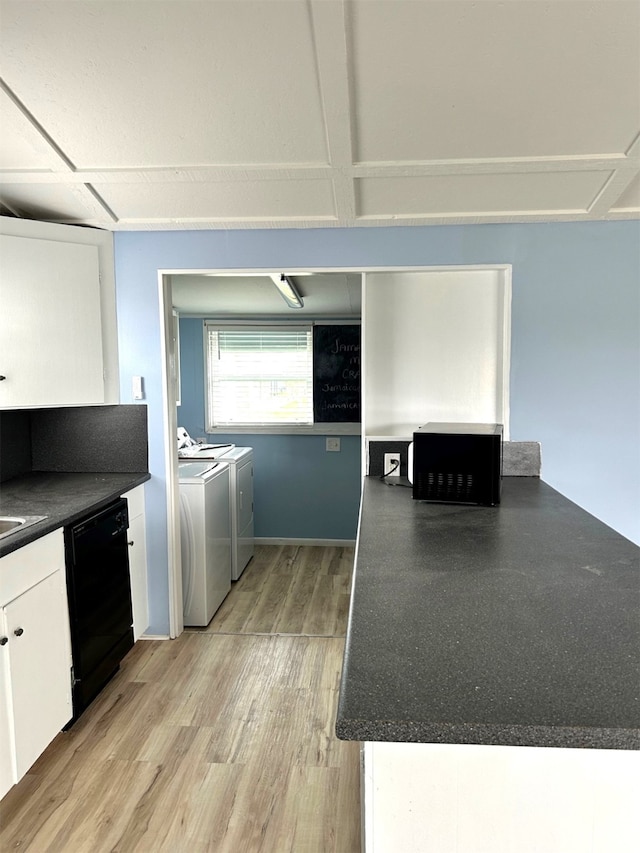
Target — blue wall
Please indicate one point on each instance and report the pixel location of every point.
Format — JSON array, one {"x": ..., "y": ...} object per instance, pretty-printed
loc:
[
  {"x": 300, "y": 490},
  {"x": 575, "y": 339}
]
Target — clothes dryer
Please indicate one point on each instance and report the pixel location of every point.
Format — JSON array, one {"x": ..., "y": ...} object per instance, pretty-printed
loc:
[
  {"x": 240, "y": 461},
  {"x": 205, "y": 535}
]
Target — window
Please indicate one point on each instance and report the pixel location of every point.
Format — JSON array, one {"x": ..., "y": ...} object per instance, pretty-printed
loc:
[{"x": 259, "y": 375}]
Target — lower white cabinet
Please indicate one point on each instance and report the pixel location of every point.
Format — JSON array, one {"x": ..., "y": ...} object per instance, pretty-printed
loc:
[
  {"x": 138, "y": 560},
  {"x": 7, "y": 772},
  {"x": 35, "y": 654}
]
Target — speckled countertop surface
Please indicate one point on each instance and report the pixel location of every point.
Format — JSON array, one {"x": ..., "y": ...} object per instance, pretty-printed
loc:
[
  {"x": 63, "y": 498},
  {"x": 516, "y": 625}
]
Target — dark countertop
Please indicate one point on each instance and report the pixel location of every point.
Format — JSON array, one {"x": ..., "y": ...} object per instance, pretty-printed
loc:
[
  {"x": 63, "y": 498},
  {"x": 516, "y": 625}
]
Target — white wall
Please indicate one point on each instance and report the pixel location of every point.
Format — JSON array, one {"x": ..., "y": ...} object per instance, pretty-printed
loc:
[
  {"x": 435, "y": 348},
  {"x": 575, "y": 343}
]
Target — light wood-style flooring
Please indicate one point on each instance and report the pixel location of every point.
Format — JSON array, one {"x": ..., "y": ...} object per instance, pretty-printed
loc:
[
  {"x": 221, "y": 740},
  {"x": 289, "y": 590}
]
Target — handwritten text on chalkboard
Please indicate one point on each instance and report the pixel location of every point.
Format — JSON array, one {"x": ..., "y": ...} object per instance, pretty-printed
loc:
[{"x": 336, "y": 374}]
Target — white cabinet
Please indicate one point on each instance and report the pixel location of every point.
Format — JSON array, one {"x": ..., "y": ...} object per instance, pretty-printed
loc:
[
  {"x": 51, "y": 350},
  {"x": 138, "y": 560},
  {"x": 7, "y": 772},
  {"x": 40, "y": 669},
  {"x": 35, "y": 654}
]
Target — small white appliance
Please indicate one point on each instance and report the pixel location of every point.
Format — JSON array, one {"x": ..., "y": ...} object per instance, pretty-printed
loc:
[
  {"x": 190, "y": 449},
  {"x": 205, "y": 534},
  {"x": 240, "y": 461}
]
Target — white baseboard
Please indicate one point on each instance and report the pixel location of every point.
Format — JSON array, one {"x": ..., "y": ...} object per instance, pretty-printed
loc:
[
  {"x": 154, "y": 637},
  {"x": 327, "y": 543}
]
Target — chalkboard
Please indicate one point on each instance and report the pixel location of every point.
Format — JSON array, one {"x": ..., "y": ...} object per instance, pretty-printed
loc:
[{"x": 336, "y": 374}]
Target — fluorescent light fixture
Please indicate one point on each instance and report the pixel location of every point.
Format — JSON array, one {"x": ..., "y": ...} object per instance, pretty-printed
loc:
[
  {"x": 287, "y": 290},
  {"x": 249, "y": 274}
]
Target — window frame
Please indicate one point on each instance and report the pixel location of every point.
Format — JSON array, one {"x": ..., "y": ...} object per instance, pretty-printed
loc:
[{"x": 316, "y": 428}]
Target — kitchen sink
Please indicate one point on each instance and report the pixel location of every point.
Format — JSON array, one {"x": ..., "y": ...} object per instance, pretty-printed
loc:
[{"x": 13, "y": 523}]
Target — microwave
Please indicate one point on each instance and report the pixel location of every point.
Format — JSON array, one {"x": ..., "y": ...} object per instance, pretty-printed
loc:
[{"x": 458, "y": 463}]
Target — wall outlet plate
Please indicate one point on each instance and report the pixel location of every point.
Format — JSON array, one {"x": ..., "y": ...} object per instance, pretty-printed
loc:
[
  {"x": 333, "y": 444},
  {"x": 391, "y": 461}
]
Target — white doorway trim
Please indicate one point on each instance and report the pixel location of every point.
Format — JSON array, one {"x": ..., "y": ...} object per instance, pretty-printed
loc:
[
  {"x": 169, "y": 419},
  {"x": 169, "y": 427}
]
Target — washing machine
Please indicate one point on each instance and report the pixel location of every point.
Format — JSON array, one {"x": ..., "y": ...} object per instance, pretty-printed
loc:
[
  {"x": 240, "y": 461},
  {"x": 205, "y": 536}
]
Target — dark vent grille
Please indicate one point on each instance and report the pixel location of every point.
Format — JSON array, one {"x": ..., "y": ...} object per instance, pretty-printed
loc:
[{"x": 443, "y": 486}]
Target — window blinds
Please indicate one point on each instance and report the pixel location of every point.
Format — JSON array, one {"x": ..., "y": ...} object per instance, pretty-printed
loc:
[{"x": 259, "y": 375}]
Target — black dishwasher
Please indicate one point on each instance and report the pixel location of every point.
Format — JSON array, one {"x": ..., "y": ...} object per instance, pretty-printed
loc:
[{"x": 99, "y": 591}]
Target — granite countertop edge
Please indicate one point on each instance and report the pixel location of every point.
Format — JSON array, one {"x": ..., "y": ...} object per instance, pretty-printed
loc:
[
  {"x": 63, "y": 498},
  {"x": 387, "y": 691},
  {"x": 478, "y": 734}
]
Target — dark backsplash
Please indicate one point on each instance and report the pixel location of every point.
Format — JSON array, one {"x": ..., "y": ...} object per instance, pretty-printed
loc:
[
  {"x": 15, "y": 444},
  {"x": 519, "y": 458},
  {"x": 77, "y": 439},
  {"x": 377, "y": 450}
]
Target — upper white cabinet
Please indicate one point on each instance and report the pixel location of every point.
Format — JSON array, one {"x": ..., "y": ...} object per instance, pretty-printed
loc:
[
  {"x": 58, "y": 329},
  {"x": 50, "y": 324}
]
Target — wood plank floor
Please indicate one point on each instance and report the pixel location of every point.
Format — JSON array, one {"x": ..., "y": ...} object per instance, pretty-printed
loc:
[
  {"x": 289, "y": 590},
  {"x": 221, "y": 740}
]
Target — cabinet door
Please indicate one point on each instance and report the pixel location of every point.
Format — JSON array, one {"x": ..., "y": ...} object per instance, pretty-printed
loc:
[
  {"x": 138, "y": 568},
  {"x": 137, "y": 539},
  {"x": 7, "y": 767},
  {"x": 38, "y": 627},
  {"x": 50, "y": 324}
]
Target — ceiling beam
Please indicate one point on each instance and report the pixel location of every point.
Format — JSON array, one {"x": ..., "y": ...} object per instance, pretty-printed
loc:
[
  {"x": 309, "y": 172},
  {"x": 334, "y": 81},
  {"x": 65, "y": 163},
  {"x": 618, "y": 182}
]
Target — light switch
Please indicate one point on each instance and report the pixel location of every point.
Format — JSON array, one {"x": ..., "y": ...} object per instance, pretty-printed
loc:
[
  {"x": 333, "y": 444},
  {"x": 137, "y": 388}
]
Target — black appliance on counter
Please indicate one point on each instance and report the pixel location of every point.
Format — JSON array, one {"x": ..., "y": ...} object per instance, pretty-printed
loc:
[
  {"x": 99, "y": 592},
  {"x": 458, "y": 463}
]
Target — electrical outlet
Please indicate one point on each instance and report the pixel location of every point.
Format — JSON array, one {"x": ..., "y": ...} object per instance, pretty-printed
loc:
[{"x": 391, "y": 461}]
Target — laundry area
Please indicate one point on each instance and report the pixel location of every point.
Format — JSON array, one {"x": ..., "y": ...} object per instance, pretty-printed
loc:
[{"x": 216, "y": 522}]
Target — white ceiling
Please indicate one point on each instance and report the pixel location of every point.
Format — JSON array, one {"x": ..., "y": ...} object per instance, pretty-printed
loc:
[
  {"x": 171, "y": 114},
  {"x": 324, "y": 295}
]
